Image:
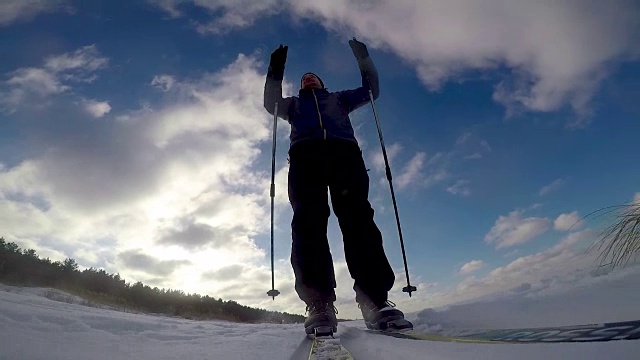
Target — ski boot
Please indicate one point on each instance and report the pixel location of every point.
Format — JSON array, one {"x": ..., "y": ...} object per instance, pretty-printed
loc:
[
  {"x": 383, "y": 316},
  {"x": 321, "y": 320}
]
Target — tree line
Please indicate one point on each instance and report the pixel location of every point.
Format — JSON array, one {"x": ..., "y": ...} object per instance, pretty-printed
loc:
[{"x": 25, "y": 268}]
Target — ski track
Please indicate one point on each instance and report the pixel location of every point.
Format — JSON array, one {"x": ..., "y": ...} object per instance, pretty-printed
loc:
[{"x": 302, "y": 351}]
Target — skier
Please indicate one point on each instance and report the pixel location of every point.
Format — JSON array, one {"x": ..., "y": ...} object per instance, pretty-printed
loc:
[{"x": 324, "y": 154}]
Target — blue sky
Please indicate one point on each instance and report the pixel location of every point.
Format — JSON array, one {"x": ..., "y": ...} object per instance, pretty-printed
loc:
[{"x": 133, "y": 138}]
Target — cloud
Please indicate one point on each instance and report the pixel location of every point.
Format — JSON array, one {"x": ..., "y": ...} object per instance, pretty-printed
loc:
[
  {"x": 460, "y": 188},
  {"x": 17, "y": 10},
  {"x": 636, "y": 198},
  {"x": 85, "y": 60},
  {"x": 412, "y": 171},
  {"x": 224, "y": 15},
  {"x": 392, "y": 155},
  {"x": 557, "y": 268},
  {"x": 513, "y": 230},
  {"x": 138, "y": 260},
  {"x": 163, "y": 82},
  {"x": 472, "y": 146},
  {"x": 419, "y": 172},
  {"x": 226, "y": 273},
  {"x": 565, "y": 222},
  {"x": 57, "y": 75},
  {"x": 34, "y": 81},
  {"x": 192, "y": 235},
  {"x": 471, "y": 266},
  {"x": 525, "y": 265},
  {"x": 95, "y": 108},
  {"x": 555, "y": 54},
  {"x": 425, "y": 172},
  {"x": 553, "y": 186},
  {"x": 462, "y": 139},
  {"x": 179, "y": 179},
  {"x": 574, "y": 238},
  {"x": 445, "y": 38}
]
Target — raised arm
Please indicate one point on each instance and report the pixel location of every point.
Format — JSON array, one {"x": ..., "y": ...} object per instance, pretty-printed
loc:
[
  {"x": 367, "y": 69},
  {"x": 360, "y": 96},
  {"x": 273, "y": 85}
]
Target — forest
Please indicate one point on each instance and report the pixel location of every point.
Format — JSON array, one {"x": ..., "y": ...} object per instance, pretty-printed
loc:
[{"x": 23, "y": 267}]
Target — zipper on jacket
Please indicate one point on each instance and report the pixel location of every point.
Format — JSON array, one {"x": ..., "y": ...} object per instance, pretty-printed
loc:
[{"x": 324, "y": 131}]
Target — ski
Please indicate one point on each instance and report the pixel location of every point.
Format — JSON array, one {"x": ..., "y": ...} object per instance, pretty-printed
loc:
[
  {"x": 326, "y": 347},
  {"x": 625, "y": 330},
  {"x": 414, "y": 335}
]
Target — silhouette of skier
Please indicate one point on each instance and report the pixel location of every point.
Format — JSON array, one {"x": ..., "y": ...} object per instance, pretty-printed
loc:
[{"x": 324, "y": 154}]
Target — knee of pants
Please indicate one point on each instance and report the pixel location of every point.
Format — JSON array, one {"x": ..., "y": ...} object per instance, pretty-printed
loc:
[
  {"x": 307, "y": 215},
  {"x": 348, "y": 209}
]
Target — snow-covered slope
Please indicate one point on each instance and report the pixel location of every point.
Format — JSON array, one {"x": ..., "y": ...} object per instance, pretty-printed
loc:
[{"x": 33, "y": 326}]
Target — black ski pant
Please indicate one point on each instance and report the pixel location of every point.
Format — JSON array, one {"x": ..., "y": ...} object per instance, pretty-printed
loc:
[{"x": 316, "y": 165}]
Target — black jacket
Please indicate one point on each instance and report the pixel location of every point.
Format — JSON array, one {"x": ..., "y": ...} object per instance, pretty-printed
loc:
[{"x": 318, "y": 113}]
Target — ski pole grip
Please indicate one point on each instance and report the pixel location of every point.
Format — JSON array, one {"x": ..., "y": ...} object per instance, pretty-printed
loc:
[{"x": 273, "y": 190}]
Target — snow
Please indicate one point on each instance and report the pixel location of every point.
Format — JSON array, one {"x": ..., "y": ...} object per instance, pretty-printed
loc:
[{"x": 38, "y": 323}]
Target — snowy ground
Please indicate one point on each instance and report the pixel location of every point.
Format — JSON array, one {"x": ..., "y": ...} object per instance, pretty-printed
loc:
[{"x": 33, "y": 326}]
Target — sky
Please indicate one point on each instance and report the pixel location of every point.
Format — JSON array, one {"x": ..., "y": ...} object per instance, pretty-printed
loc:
[
  {"x": 133, "y": 138},
  {"x": 40, "y": 323}
]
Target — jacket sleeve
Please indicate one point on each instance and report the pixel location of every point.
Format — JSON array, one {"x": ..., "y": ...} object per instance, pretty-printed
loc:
[
  {"x": 273, "y": 94},
  {"x": 356, "y": 98}
]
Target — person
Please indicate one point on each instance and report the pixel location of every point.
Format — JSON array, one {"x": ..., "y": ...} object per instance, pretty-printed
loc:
[{"x": 324, "y": 154}]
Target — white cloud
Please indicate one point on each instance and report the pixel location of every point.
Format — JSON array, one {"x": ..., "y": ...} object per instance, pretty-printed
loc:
[
  {"x": 471, "y": 266},
  {"x": 139, "y": 260},
  {"x": 163, "y": 82},
  {"x": 574, "y": 238},
  {"x": 95, "y": 108},
  {"x": 419, "y": 172},
  {"x": 544, "y": 261},
  {"x": 462, "y": 139},
  {"x": 225, "y": 15},
  {"x": 85, "y": 60},
  {"x": 560, "y": 267},
  {"x": 59, "y": 72},
  {"x": 412, "y": 171},
  {"x": 568, "y": 221},
  {"x": 422, "y": 172},
  {"x": 31, "y": 81},
  {"x": 513, "y": 230},
  {"x": 485, "y": 145},
  {"x": 179, "y": 180},
  {"x": 392, "y": 155},
  {"x": 16, "y": 10},
  {"x": 557, "y": 52},
  {"x": 472, "y": 146},
  {"x": 636, "y": 198},
  {"x": 553, "y": 186},
  {"x": 460, "y": 188}
]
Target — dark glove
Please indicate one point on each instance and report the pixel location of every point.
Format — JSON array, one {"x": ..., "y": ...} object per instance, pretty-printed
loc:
[
  {"x": 359, "y": 49},
  {"x": 276, "y": 65}
]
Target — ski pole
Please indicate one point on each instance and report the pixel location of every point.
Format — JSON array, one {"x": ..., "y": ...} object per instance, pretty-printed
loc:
[
  {"x": 273, "y": 292},
  {"x": 408, "y": 288}
]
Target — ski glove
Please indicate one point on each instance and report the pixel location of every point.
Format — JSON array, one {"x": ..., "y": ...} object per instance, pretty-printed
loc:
[
  {"x": 276, "y": 65},
  {"x": 359, "y": 49}
]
